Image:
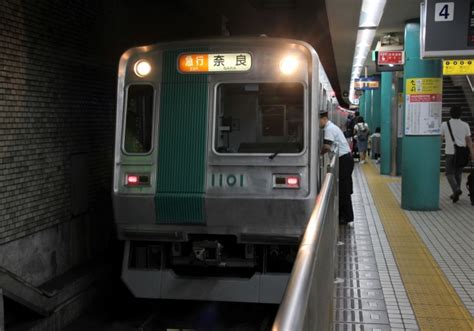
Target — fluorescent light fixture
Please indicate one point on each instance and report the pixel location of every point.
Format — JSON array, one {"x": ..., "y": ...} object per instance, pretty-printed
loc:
[
  {"x": 369, "y": 19},
  {"x": 365, "y": 38},
  {"x": 371, "y": 13}
]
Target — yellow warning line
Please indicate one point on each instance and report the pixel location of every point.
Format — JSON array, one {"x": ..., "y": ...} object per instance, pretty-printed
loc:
[{"x": 435, "y": 303}]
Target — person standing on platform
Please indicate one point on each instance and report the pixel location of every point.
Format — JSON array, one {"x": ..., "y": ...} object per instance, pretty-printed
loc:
[
  {"x": 375, "y": 145},
  {"x": 353, "y": 140},
  {"x": 362, "y": 132},
  {"x": 332, "y": 136},
  {"x": 349, "y": 127},
  {"x": 461, "y": 132}
]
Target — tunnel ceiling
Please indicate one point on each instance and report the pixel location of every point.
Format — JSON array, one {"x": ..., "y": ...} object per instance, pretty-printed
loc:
[
  {"x": 329, "y": 25},
  {"x": 343, "y": 17},
  {"x": 154, "y": 21}
]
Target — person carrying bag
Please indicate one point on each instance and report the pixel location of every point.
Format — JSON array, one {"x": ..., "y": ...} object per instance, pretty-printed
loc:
[
  {"x": 461, "y": 153},
  {"x": 457, "y": 135}
]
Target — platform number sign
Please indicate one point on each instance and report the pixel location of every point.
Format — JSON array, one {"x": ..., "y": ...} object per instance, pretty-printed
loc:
[{"x": 444, "y": 11}]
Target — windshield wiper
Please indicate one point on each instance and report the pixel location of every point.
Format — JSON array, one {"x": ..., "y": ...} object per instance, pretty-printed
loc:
[
  {"x": 271, "y": 157},
  {"x": 278, "y": 151}
]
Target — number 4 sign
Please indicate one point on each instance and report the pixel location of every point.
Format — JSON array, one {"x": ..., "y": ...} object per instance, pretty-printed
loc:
[{"x": 444, "y": 11}]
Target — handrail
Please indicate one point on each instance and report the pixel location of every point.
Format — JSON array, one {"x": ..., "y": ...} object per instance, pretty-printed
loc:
[
  {"x": 470, "y": 83},
  {"x": 292, "y": 312}
]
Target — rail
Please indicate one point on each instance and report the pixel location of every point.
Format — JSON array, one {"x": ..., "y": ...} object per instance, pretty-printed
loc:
[
  {"x": 470, "y": 83},
  {"x": 308, "y": 299}
]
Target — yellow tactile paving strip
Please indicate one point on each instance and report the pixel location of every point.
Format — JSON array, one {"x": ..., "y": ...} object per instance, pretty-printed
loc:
[{"x": 435, "y": 303}]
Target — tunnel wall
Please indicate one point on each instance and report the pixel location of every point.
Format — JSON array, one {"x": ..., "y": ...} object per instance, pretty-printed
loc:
[
  {"x": 56, "y": 137},
  {"x": 58, "y": 68}
]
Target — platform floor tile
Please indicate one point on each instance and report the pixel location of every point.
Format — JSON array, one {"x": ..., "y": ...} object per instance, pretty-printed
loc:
[
  {"x": 421, "y": 273},
  {"x": 449, "y": 236},
  {"x": 369, "y": 293}
]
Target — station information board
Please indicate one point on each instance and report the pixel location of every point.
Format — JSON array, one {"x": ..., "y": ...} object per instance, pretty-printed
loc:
[
  {"x": 423, "y": 106},
  {"x": 366, "y": 83},
  {"x": 390, "y": 58},
  {"x": 447, "y": 28},
  {"x": 458, "y": 67}
]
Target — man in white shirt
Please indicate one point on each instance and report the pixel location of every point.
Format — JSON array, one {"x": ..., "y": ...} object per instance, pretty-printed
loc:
[
  {"x": 332, "y": 136},
  {"x": 462, "y": 137}
]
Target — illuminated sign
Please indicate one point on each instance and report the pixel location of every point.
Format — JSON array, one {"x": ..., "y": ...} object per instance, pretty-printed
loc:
[
  {"x": 219, "y": 62},
  {"x": 390, "y": 58},
  {"x": 369, "y": 83},
  {"x": 458, "y": 67}
]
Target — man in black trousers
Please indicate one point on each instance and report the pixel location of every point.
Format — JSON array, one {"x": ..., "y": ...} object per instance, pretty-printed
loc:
[{"x": 332, "y": 136}]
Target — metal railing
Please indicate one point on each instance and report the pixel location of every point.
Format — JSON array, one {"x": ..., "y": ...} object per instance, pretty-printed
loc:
[
  {"x": 308, "y": 300},
  {"x": 470, "y": 83}
]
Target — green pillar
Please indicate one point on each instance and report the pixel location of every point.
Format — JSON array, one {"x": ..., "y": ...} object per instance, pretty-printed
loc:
[
  {"x": 368, "y": 109},
  {"x": 376, "y": 119},
  {"x": 420, "y": 153},
  {"x": 401, "y": 109},
  {"x": 362, "y": 105},
  {"x": 386, "y": 124}
]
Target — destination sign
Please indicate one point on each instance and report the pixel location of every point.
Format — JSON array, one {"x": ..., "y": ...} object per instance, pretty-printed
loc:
[{"x": 216, "y": 62}]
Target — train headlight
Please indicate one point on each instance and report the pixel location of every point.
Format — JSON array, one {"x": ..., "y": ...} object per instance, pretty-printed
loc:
[
  {"x": 289, "y": 64},
  {"x": 142, "y": 68}
]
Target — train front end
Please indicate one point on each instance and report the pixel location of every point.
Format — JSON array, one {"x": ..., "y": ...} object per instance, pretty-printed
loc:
[{"x": 216, "y": 166}]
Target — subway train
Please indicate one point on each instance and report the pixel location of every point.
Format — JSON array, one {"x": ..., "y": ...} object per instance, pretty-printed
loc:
[{"x": 217, "y": 165}]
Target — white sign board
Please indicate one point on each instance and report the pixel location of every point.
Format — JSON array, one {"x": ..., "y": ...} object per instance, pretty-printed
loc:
[{"x": 423, "y": 106}]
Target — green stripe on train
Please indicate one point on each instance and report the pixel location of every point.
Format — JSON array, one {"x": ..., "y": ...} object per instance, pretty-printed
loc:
[{"x": 182, "y": 144}]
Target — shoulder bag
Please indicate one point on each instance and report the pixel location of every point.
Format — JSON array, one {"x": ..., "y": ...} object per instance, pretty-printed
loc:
[{"x": 461, "y": 154}]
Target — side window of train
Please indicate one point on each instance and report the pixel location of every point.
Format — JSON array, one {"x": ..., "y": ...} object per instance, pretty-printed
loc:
[
  {"x": 139, "y": 119},
  {"x": 260, "y": 118}
]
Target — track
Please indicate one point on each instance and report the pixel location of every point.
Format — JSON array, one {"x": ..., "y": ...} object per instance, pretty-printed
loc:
[{"x": 121, "y": 312}]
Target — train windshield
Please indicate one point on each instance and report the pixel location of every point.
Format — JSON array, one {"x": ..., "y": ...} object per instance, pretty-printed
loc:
[
  {"x": 138, "y": 124},
  {"x": 260, "y": 118}
]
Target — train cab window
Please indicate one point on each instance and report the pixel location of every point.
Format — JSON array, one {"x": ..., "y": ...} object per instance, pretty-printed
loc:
[
  {"x": 139, "y": 119},
  {"x": 260, "y": 118}
]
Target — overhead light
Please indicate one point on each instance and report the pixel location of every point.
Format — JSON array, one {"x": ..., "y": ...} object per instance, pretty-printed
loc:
[
  {"x": 371, "y": 13},
  {"x": 365, "y": 38},
  {"x": 369, "y": 19}
]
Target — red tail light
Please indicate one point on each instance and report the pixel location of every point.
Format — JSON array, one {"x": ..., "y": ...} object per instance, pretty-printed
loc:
[
  {"x": 136, "y": 180},
  {"x": 286, "y": 181},
  {"x": 293, "y": 182},
  {"x": 132, "y": 180}
]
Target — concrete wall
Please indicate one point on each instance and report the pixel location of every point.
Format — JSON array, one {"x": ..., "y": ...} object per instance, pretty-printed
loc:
[
  {"x": 56, "y": 136},
  {"x": 58, "y": 63},
  {"x": 58, "y": 68}
]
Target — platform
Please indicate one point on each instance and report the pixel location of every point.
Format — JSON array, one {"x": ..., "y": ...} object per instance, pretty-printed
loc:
[{"x": 404, "y": 270}]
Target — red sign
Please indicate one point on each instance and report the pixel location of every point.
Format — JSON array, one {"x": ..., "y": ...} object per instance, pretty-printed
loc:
[
  {"x": 391, "y": 57},
  {"x": 425, "y": 97}
]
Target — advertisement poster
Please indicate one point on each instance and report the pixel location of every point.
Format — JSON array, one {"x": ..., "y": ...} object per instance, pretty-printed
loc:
[
  {"x": 423, "y": 106},
  {"x": 400, "y": 116}
]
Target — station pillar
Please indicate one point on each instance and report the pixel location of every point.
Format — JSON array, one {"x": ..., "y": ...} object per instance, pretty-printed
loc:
[
  {"x": 368, "y": 108},
  {"x": 376, "y": 96},
  {"x": 386, "y": 123},
  {"x": 362, "y": 105},
  {"x": 420, "y": 150},
  {"x": 401, "y": 110}
]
